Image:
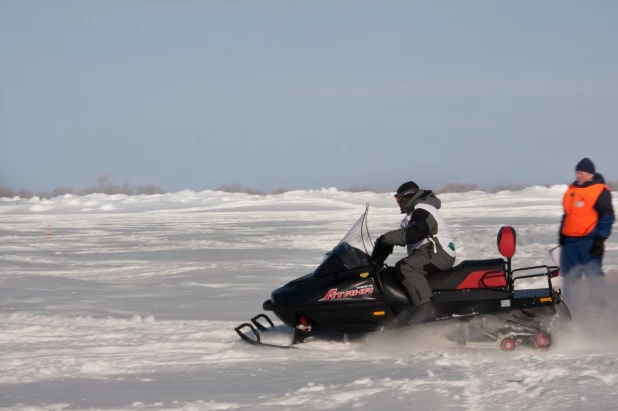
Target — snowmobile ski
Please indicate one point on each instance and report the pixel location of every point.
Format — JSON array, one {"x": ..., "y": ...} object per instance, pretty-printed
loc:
[{"x": 257, "y": 340}]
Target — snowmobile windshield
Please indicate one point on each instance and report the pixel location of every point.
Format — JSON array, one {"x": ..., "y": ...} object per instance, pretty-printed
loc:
[
  {"x": 353, "y": 250},
  {"x": 358, "y": 235}
]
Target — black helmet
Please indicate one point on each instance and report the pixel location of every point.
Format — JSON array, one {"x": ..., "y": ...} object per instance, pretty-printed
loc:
[
  {"x": 406, "y": 196},
  {"x": 407, "y": 189}
]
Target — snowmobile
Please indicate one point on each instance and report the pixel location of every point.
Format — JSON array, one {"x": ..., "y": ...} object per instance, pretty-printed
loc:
[{"x": 352, "y": 294}]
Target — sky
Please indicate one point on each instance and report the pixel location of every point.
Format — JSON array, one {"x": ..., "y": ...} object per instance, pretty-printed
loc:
[{"x": 297, "y": 94}]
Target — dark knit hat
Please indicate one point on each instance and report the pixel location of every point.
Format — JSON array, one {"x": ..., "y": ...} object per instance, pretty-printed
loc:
[{"x": 585, "y": 165}]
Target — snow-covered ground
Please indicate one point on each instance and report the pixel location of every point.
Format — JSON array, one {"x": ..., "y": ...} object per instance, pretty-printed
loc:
[{"x": 131, "y": 305}]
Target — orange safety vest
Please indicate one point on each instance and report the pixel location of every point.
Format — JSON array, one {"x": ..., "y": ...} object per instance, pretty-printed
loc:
[{"x": 580, "y": 217}]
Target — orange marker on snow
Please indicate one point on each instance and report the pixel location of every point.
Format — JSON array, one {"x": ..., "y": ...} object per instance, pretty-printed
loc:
[{"x": 49, "y": 231}]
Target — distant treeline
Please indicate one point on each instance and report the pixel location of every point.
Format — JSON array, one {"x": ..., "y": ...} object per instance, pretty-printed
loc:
[{"x": 104, "y": 185}]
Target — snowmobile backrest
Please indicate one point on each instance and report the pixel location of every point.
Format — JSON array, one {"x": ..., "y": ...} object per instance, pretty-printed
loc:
[{"x": 507, "y": 241}]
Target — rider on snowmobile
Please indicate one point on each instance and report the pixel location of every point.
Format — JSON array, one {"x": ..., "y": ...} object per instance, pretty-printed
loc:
[{"x": 430, "y": 246}]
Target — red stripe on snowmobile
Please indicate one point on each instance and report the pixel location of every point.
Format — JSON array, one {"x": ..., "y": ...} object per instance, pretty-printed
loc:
[{"x": 473, "y": 280}]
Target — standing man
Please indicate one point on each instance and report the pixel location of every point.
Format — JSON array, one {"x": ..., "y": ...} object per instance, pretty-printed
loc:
[{"x": 586, "y": 224}]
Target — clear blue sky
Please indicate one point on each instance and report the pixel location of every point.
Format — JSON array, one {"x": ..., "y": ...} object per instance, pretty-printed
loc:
[{"x": 306, "y": 94}]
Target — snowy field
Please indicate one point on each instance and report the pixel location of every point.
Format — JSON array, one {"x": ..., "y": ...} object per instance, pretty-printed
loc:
[{"x": 131, "y": 305}]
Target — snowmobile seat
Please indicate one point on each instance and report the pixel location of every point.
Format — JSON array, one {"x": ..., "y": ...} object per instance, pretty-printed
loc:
[
  {"x": 470, "y": 274},
  {"x": 475, "y": 274}
]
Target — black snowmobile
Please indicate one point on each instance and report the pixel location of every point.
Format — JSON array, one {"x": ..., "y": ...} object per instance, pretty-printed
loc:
[{"x": 352, "y": 294}]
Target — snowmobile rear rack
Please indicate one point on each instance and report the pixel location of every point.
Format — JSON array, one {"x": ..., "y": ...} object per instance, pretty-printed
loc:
[{"x": 550, "y": 272}]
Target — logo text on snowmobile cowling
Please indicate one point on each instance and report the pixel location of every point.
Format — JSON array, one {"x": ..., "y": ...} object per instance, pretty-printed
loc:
[{"x": 356, "y": 290}]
